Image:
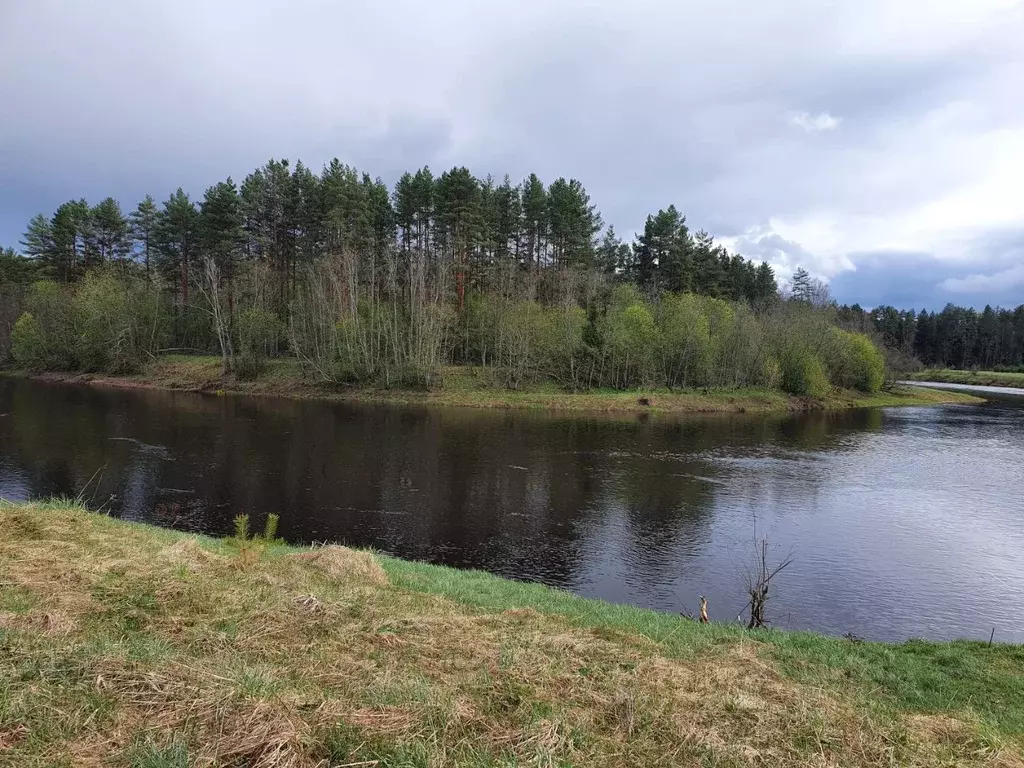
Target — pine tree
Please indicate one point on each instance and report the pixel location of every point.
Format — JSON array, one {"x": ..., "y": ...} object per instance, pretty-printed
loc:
[
  {"x": 38, "y": 242},
  {"x": 707, "y": 275},
  {"x": 71, "y": 234},
  {"x": 663, "y": 252},
  {"x": 143, "y": 223},
  {"x": 801, "y": 287},
  {"x": 269, "y": 210},
  {"x": 423, "y": 210},
  {"x": 458, "y": 221},
  {"x": 572, "y": 224},
  {"x": 404, "y": 202},
  {"x": 219, "y": 226},
  {"x": 110, "y": 231},
  {"x": 614, "y": 257},
  {"x": 177, "y": 237},
  {"x": 16, "y": 269},
  {"x": 306, "y": 214},
  {"x": 766, "y": 288},
  {"x": 378, "y": 216},
  {"x": 344, "y": 208},
  {"x": 535, "y": 221},
  {"x": 501, "y": 214}
]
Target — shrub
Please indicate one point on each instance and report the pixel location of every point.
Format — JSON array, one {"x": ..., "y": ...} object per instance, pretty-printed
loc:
[
  {"x": 769, "y": 373},
  {"x": 854, "y": 362},
  {"x": 562, "y": 353},
  {"x": 631, "y": 341},
  {"x": 803, "y": 373},
  {"x": 258, "y": 333},
  {"x": 28, "y": 344},
  {"x": 116, "y": 321},
  {"x": 687, "y": 351}
]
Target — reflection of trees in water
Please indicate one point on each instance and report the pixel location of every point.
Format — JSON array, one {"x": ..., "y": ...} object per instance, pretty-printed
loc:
[{"x": 514, "y": 492}]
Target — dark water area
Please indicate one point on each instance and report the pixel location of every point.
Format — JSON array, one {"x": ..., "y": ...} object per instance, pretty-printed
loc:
[{"x": 905, "y": 522}]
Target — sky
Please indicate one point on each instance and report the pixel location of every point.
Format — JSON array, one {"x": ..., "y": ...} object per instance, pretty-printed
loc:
[{"x": 879, "y": 144}]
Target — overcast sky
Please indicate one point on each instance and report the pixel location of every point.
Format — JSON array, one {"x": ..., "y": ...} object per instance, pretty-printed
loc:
[{"x": 878, "y": 143}]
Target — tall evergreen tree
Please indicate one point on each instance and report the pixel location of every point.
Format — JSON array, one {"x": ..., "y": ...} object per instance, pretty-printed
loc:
[
  {"x": 458, "y": 221},
  {"x": 535, "y": 221},
  {"x": 573, "y": 222},
  {"x": 706, "y": 270},
  {"x": 38, "y": 242},
  {"x": 110, "y": 231},
  {"x": 71, "y": 234},
  {"x": 143, "y": 223},
  {"x": 663, "y": 252},
  {"x": 801, "y": 287},
  {"x": 219, "y": 226},
  {"x": 177, "y": 237},
  {"x": 766, "y": 289},
  {"x": 16, "y": 269},
  {"x": 614, "y": 257}
]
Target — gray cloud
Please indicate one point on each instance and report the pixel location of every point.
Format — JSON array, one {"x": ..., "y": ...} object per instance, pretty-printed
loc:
[
  {"x": 805, "y": 133},
  {"x": 990, "y": 272}
]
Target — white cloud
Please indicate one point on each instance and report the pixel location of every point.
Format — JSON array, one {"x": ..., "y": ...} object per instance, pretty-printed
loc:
[{"x": 822, "y": 121}]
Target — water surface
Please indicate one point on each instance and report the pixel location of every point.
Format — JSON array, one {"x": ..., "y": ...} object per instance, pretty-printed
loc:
[{"x": 901, "y": 522}]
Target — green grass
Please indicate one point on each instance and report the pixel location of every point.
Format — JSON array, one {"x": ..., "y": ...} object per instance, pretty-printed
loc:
[
  {"x": 469, "y": 386},
  {"x": 977, "y": 378},
  {"x": 126, "y": 645}
]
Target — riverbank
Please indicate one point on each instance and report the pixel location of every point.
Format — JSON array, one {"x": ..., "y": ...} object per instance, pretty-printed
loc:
[
  {"x": 974, "y": 378},
  {"x": 126, "y": 644},
  {"x": 471, "y": 387}
]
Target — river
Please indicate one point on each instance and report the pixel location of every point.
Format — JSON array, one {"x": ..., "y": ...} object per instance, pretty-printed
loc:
[{"x": 903, "y": 522}]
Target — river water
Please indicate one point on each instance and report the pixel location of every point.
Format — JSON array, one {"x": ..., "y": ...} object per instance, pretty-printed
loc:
[{"x": 904, "y": 522}]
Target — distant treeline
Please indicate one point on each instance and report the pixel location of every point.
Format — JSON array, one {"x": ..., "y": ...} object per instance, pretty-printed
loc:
[
  {"x": 371, "y": 285},
  {"x": 287, "y": 217},
  {"x": 956, "y": 337}
]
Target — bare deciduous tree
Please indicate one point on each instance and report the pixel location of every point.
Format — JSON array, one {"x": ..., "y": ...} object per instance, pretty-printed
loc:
[{"x": 210, "y": 286}]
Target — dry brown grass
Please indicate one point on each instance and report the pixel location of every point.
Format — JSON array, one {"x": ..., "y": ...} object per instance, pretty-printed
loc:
[{"x": 121, "y": 645}]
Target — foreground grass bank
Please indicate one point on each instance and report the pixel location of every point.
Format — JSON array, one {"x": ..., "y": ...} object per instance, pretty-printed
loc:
[
  {"x": 471, "y": 387},
  {"x": 976, "y": 378},
  {"x": 125, "y": 645}
]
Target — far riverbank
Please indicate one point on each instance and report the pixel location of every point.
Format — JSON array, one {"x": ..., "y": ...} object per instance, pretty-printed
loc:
[{"x": 472, "y": 387}]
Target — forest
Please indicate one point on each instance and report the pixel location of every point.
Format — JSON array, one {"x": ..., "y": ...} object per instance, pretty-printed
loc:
[
  {"x": 956, "y": 337},
  {"x": 366, "y": 284}
]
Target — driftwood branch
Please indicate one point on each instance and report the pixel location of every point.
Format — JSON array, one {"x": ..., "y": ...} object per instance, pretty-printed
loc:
[{"x": 759, "y": 582}]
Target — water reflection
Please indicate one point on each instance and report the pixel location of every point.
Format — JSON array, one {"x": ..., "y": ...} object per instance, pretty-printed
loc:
[{"x": 643, "y": 510}]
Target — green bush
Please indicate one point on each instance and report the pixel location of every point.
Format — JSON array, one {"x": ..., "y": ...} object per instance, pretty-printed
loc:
[
  {"x": 687, "y": 349},
  {"x": 631, "y": 342},
  {"x": 803, "y": 373},
  {"x": 258, "y": 332},
  {"x": 48, "y": 340},
  {"x": 117, "y": 321},
  {"x": 562, "y": 354},
  {"x": 28, "y": 343},
  {"x": 768, "y": 373},
  {"x": 855, "y": 362}
]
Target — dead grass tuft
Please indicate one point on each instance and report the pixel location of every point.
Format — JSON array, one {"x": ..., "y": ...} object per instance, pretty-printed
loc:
[
  {"x": 939, "y": 729},
  {"x": 191, "y": 553},
  {"x": 309, "y": 604},
  {"x": 12, "y": 735},
  {"x": 346, "y": 565}
]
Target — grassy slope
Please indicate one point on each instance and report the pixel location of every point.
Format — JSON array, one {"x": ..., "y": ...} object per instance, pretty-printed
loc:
[
  {"x": 469, "y": 387},
  {"x": 978, "y": 378},
  {"x": 127, "y": 645}
]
